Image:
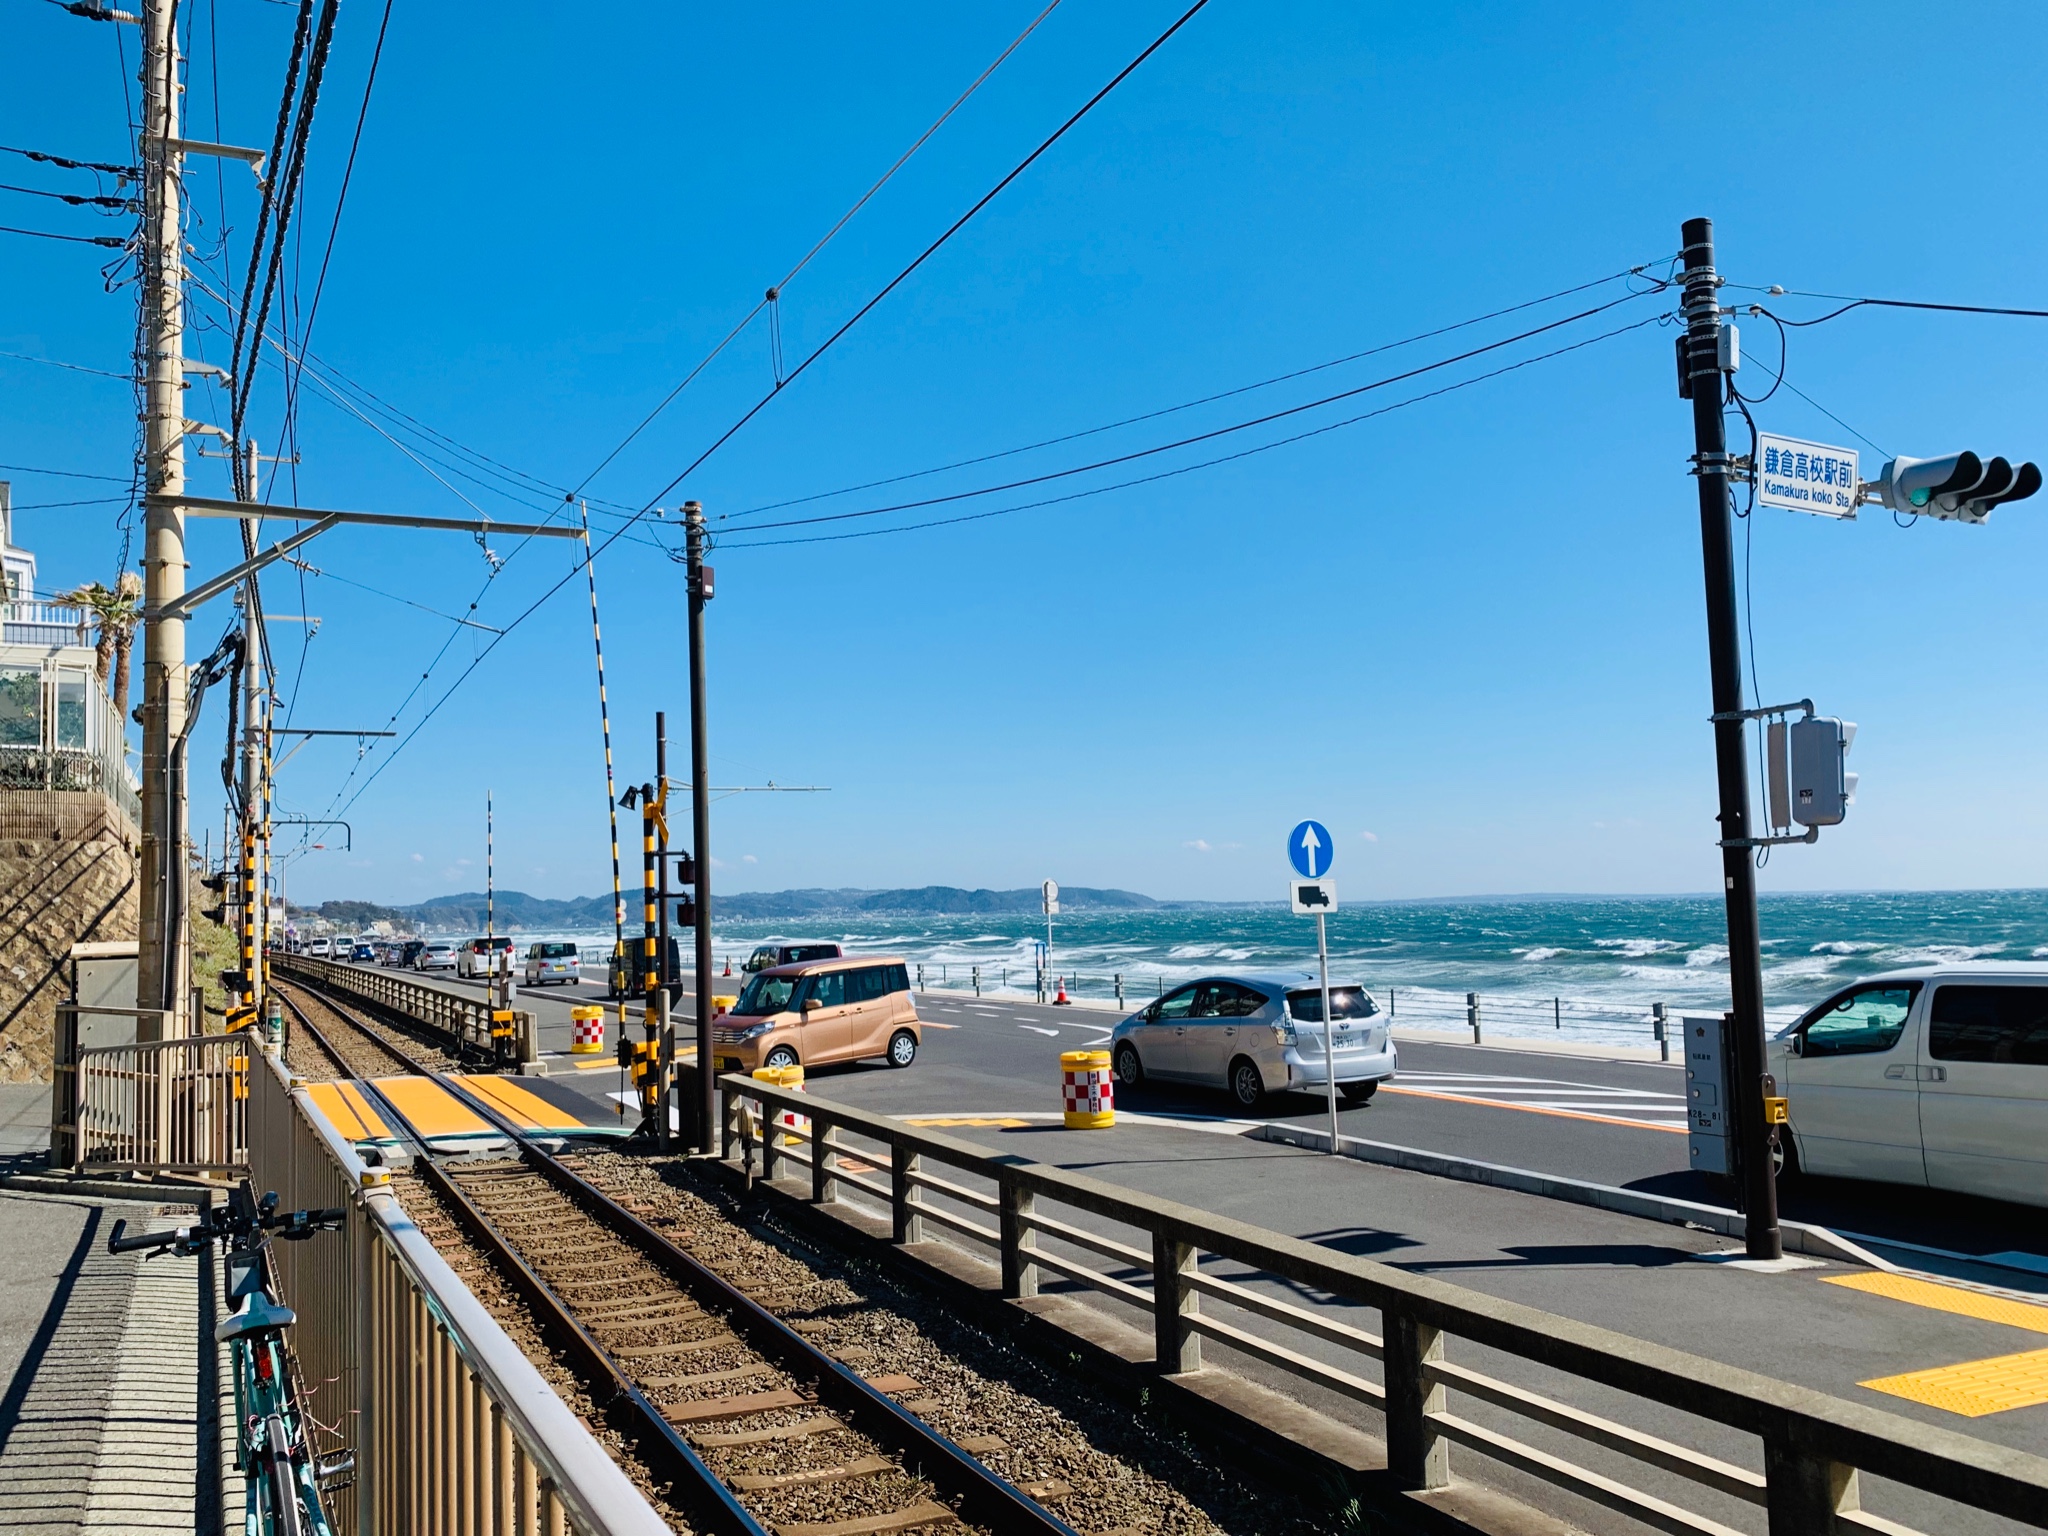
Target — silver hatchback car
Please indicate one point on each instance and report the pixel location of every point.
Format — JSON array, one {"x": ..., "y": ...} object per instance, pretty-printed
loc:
[{"x": 1255, "y": 1033}]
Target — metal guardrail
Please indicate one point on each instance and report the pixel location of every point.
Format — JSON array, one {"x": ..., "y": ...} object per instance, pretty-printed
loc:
[
  {"x": 464, "y": 1021},
  {"x": 1814, "y": 1446},
  {"x": 172, "y": 1105},
  {"x": 455, "y": 1432}
]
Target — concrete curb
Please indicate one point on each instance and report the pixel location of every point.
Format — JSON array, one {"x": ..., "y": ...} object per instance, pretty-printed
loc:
[
  {"x": 107, "y": 1189},
  {"x": 1799, "y": 1237}
]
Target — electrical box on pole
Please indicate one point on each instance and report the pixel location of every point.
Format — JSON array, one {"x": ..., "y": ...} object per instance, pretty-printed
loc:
[{"x": 1822, "y": 789}]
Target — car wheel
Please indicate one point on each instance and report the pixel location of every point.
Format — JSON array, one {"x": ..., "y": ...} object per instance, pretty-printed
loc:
[
  {"x": 1358, "y": 1093},
  {"x": 902, "y": 1048},
  {"x": 1246, "y": 1086},
  {"x": 1129, "y": 1070},
  {"x": 781, "y": 1056}
]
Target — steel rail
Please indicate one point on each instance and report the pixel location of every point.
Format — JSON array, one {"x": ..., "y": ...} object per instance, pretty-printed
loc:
[{"x": 986, "y": 1498}]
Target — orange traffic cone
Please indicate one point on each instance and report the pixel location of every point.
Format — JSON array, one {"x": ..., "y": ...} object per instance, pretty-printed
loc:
[
  {"x": 1062, "y": 998},
  {"x": 728, "y": 965}
]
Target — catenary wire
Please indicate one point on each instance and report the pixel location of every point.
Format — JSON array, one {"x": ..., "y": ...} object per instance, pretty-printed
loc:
[
  {"x": 773, "y": 293},
  {"x": 929, "y": 251},
  {"x": 1188, "y": 405}
]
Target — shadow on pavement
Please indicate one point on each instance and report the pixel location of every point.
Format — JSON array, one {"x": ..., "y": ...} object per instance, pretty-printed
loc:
[{"x": 1564, "y": 1255}]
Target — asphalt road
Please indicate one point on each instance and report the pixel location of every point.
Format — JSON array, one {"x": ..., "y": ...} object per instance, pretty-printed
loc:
[{"x": 1606, "y": 1120}]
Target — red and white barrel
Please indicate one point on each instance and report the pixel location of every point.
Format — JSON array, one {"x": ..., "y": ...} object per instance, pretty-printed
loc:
[
  {"x": 586, "y": 1031},
  {"x": 1089, "y": 1098}
]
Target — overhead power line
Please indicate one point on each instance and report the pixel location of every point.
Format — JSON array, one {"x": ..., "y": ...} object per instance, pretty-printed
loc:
[
  {"x": 1849, "y": 302},
  {"x": 68, "y": 474},
  {"x": 1189, "y": 405},
  {"x": 774, "y": 291},
  {"x": 131, "y": 172},
  {"x": 931, "y": 250},
  {"x": 1202, "y": 437},
  {"x": 51, "y": 362},
  {"x": 111, "y": 242},
  {"x": 1187, "y": 469},
  {"x": 74, "y": 199}
]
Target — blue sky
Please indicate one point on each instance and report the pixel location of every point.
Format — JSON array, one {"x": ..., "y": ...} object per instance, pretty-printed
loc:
[{"x": 1467, "y": 635}]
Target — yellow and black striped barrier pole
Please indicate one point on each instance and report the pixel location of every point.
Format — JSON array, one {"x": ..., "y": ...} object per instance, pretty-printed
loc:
[{"x": 604, "y": 721}]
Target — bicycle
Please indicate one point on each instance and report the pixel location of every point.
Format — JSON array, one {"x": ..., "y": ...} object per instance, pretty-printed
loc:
[{"x": 283, "y": 1478}]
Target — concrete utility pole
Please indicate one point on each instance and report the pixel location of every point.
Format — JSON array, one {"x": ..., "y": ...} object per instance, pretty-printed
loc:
[
  {"x": 1731, "y": 757},
  {"x": 166, "y": 943},
  {"x": 701, "y": 588}
]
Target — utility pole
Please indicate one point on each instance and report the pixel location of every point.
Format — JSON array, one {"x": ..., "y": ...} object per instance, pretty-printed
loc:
[
  {"x": 252, "y": 915},
  {"x": 701, "y": 588},
  {"x": 166, "y": 943},
  {"x": 1753, "y": 1136}
]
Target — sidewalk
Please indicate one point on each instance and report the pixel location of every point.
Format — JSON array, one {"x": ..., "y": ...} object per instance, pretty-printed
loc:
[{"x": 103, "y": 1424}]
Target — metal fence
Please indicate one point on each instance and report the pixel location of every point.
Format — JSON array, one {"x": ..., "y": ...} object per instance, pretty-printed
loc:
[
  {"x": 171, "y": 1105},
  {"x": 455, "y": 1432},
  {"x": 464, "y": 1019},
  {"x": 1796, "y": 1454}
]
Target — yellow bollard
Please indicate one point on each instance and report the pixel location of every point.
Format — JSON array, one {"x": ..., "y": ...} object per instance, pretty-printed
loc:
[
  {"x": 586, "y": 1025},
  {"x": 1090, "y": 1100},
  {"x": 791, "y": 1078}
]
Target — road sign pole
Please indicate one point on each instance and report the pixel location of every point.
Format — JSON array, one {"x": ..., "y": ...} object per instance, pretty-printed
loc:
[
  {"x": 1724, "y": 646},
  {"x": 1329, "y": 1029},
  {"x": 700, "y": 579}
]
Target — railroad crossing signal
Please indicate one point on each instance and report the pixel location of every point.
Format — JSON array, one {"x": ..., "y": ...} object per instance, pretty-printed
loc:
[{"x": 1956, "y": 487}]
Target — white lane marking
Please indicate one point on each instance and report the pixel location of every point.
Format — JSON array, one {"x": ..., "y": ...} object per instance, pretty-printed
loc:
[
  {"x": 1637, "y": 1106},
  {"x": 1039, "y": 1029}
]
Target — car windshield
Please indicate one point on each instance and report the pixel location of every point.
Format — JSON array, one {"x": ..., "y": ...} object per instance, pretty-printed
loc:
[
  {"x": 1345, "y": 1003},
  {"x": 765, "y": 995}
]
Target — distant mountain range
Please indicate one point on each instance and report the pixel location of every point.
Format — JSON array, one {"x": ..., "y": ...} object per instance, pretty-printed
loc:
[{"x": 517, "y": 912}]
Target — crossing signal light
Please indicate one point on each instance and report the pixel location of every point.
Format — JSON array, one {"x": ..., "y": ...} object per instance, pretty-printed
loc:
[{"x": 1956, "y": 487}]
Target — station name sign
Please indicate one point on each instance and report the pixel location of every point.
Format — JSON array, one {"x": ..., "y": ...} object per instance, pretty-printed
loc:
[{"x": 1805, "y": 477}]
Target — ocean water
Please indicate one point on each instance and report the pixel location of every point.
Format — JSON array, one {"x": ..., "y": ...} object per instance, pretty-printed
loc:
[{"x": 1587, "y": 969}]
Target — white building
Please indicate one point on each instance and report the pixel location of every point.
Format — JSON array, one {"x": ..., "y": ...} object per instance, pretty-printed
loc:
[{"x": 58, "y": 729}]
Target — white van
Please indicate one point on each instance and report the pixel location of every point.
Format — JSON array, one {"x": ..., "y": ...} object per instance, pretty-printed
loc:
[{"x": 1936, "y": 1076}]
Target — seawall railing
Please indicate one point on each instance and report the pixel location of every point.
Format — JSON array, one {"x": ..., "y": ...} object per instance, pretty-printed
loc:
[
  {"x": 1796, "y": 1454},
  {"x": 462, "y": 1020}
]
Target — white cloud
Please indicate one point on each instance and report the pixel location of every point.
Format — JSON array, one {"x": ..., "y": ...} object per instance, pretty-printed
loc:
[
  {"x": 1199, "y": 844},
  {"x": 1370, "y": 837},
  {"x": 748, "y": 858},
  {"x": 419, "y": 858}
]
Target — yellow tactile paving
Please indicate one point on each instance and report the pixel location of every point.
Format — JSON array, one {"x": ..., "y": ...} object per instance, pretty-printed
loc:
[
  {"x": 1000, "y": 1123},
  {"x": 524, "y": 1108},
  {"x": 344, "y": 1107},
  {"x": 431, "y": 1109},
  {"x": 1976, "y": 1387},
  {"x": 1948, "y": 1298}
]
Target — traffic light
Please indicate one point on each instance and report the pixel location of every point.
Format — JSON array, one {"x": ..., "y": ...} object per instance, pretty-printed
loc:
[
  {"x": 1957, "y": 487},
  {"x": 1822, "y": 790}
]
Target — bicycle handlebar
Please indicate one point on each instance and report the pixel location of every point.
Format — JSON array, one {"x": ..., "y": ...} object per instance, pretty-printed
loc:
[{"x": 222, "y": 1224}]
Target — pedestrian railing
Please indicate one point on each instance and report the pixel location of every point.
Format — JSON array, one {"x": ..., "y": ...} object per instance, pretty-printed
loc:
[
  {"x": 455, "y": 1432},
  {"x": 462, "y": 1020},
  {"x": 1797, "y": 1454},
  {"x": 173, "y": 1106}
]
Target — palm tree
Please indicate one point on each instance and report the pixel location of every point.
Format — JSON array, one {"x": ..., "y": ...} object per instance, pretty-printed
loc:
[{"x": 115, "y": 612}]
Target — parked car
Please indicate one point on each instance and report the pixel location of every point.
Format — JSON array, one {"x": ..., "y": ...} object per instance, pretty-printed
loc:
[
  {"x": 1935, "y": 1076},
  {"x": 1256, "y": 1033},
  {"x": 481, "y": 958},
  {"x": 624, "y": 976},
  {"x": 553, "y": 961},
  {"x": 403, "y": 955},
  {"x": 768, "y": 955},
  {"x": 819, "y": 1012},
  {"x": 435, "y": 955}
]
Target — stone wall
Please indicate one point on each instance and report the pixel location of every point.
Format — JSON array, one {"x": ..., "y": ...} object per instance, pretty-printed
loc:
[{"x": 69, "y": 872}]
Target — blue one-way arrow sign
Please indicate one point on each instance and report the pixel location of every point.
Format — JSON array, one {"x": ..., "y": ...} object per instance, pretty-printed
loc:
[{"x": 1309, "y": 850}]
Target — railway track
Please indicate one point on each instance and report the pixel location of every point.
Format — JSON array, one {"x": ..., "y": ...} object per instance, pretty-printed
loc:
[
  {"x": 749, "y": 1424},
  {"x": 346, "y": 1044}
]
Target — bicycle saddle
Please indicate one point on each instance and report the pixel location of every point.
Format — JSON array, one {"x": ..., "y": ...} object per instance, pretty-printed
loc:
[{"x": 259, "y": 1314}]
